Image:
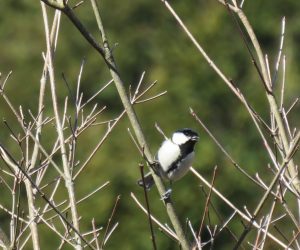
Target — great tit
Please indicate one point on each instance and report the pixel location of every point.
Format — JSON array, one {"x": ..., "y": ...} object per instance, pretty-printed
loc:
[{"x": 174, "y": 157}]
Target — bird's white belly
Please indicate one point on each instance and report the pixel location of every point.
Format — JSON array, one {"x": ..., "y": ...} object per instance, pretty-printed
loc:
[
  {"x": 183, "y": 168},
  {"x": 167, "y": 155}
]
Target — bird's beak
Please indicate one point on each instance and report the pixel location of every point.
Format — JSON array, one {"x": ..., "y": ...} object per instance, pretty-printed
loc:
[{"x": 195, "y": 138}]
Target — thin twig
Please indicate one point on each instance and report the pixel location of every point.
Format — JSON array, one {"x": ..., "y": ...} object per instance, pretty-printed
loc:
[
  {"x": 109, "y": 221},
  {"x": 266, "y": 194},
  {"x": 7, "y": 158},
  {"x": 234, "y": 163},
  {"x": 207, "y": 202},
  {"x": 279, "y": 54},
  {"x": 168, "y": 231},
  {"x": 107, "y": 56},
  {"x": 95, "y": 234},
  {"x": 239, "y": 212},
  {"x": 105, "y": 136},
  {"x": 148, "y": 208},
  {"x": 68, "y": 178}
]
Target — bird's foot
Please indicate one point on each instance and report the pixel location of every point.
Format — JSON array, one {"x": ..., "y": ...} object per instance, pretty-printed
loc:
[
  {"x": 166, "y": 196},
  {"x": 155, "y": 166}
]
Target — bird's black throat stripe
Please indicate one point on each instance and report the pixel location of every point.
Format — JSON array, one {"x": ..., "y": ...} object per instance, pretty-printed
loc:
[{"x": 185, "y": 149}]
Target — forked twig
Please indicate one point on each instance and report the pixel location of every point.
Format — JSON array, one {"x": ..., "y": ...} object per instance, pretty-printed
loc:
[
  {"x": 7, "y": 158},
  {"x": 239, "y": 212}
]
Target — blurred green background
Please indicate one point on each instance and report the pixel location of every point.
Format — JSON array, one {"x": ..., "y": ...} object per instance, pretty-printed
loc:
[{"x": 145, "y": 37}]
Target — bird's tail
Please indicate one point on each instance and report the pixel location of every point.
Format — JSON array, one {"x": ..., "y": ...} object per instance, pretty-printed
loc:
[{"x": 148, "y": 179}]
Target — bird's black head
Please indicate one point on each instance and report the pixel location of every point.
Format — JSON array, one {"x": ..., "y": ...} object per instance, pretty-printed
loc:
[
  {"x": 186, "y": 139},
  {"x": 184, "y": 135}
]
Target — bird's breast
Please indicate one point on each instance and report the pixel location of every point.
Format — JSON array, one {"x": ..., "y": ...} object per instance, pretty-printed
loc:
[
  {"x": 167, "y": 154},
  {"x": 181, "y": 167},
  {"x": 172, "y": 164}
]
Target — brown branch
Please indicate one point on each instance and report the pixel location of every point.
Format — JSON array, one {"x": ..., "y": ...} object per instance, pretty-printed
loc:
[
  {"x": 148, "y": 208},
  {"x": 107, "y": 55},
  {"x": 12, "y": 164}
]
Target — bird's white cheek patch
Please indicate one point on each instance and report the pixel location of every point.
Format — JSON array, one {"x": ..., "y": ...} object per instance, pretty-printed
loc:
[
  {"x": 179, "y": 138},
  {"x": 167, "y": 154}
]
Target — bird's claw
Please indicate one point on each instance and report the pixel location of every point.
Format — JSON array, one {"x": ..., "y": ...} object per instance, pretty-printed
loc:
[
  {"x": 155, "y": 166},
  {"x": 166, "y": 195}
]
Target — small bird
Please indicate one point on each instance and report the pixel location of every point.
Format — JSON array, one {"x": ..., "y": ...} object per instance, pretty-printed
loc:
[{"x": 174, "y": 157}]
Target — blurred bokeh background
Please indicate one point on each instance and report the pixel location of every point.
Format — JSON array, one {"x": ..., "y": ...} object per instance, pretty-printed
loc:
[{"x": 145, "y": 37}]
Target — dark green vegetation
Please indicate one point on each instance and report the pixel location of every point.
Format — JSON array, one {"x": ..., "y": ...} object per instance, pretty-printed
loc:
[{"x": 147, "y": 38}]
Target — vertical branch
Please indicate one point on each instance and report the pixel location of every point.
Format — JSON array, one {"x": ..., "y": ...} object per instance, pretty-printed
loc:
[
  {"x": 106, "y": 53},
  {"x": 136, "y": 125},
  {"x": 68, "y": 178},
  {"x": 28, "y": 186},
  {"x": 271, "y": 98},
  {"x": 43, "y": 80},
  {"x": 32, "y": 215}
]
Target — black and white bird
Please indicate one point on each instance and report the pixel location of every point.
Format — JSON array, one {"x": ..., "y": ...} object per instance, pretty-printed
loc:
[{"x": 174, "y": 157}]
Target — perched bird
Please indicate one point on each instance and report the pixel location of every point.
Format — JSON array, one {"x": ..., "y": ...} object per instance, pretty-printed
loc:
[{"x": 174, "y": 157}]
